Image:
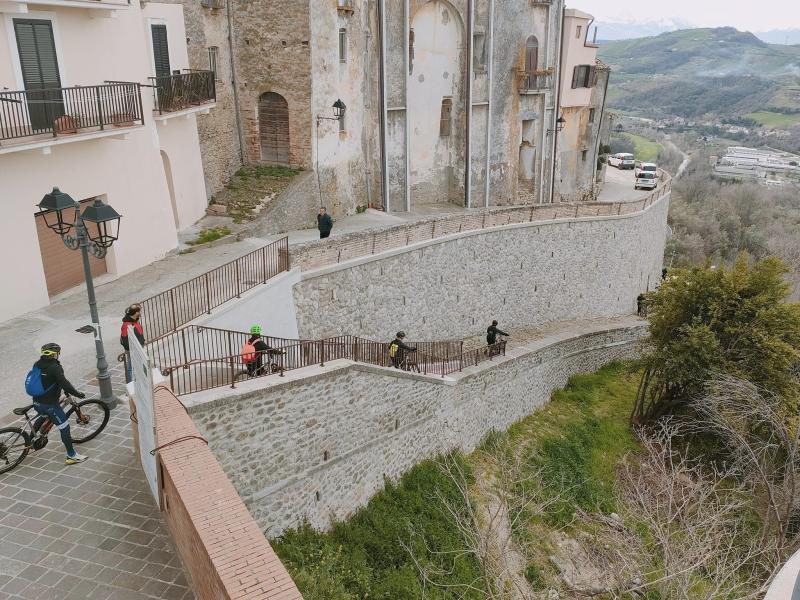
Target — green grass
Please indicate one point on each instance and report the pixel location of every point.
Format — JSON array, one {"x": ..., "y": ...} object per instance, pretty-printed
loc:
[
  {"x": 774, "y": 120},
  {"x": 209, "y": 235},
  {"x": 646, "y": 150},
  {"x": 250, "y": 185},
  {"x": 364, "y": 558}
]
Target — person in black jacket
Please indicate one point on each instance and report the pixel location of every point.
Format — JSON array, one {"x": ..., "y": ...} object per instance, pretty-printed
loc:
[
  {"x": 492, "y": 332},
  {"x": 131, "y": 319},
  {"x": 324, "y": 223},
  {"x": 48, "y": 404},
  {"x": 398, "y": 351}
]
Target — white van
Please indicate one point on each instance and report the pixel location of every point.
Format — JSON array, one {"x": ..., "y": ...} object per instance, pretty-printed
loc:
[
  {"x": 645, "y": 180},
  {"x": 622, "y": 160},
  {"x": 645, "y": 166}
]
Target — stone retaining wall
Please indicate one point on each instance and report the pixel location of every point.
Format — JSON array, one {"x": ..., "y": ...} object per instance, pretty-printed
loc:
[
  {"x": 319, "y": 443},
  {"x": 523, "y": 275}
]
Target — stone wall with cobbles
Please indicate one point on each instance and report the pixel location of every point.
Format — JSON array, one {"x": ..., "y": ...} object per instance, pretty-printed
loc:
[
  {"x": 523, "y": 275},
  {"x": 320, "y": 442}
]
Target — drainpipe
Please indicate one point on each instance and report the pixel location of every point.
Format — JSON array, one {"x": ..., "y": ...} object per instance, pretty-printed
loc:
[
  {"x": 490, "y": 78},
  {"x": 384, "y": 109},
  {"x": 557, "y": 104},
  {"x": 599, "y": 129},
  {"x": 470, "y": 66},
  {"x": 368, "y": 106},
  {"x": 542, "y": 153},
  {"x": 406, "y": 66},
  {"x": 235, "y": 83}
]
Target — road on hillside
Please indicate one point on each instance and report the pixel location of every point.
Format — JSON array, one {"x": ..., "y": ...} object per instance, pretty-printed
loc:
[{"x": 619, "y": 187}]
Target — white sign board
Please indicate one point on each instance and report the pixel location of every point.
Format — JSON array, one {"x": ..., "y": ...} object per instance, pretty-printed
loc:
[{"x": 145, "y": 411}]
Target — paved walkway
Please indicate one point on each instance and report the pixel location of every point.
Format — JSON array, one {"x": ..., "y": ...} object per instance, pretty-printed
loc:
[
  {"x": 619, "y": 187},
  {"x": 85, "y": 532}
]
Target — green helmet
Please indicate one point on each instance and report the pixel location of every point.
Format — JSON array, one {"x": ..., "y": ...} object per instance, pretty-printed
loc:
[{"x": 255, "y": 330}]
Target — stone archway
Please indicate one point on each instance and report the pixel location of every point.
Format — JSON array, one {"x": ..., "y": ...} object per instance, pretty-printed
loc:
[{"x": 435, "y": 102}]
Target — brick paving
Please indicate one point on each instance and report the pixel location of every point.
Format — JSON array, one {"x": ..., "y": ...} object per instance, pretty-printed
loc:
[{"x": 89, "y": 531}]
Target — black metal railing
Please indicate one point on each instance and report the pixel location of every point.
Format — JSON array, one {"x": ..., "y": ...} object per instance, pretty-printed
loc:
[
  {"x": 183, "y": 90},
  {"x": 62, "y": 111},
  {"x": 169, "y": 310}
]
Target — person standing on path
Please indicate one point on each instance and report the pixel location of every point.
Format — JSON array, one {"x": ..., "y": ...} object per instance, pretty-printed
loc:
[
  {"x": 47, "y": 404},
  {"x": 324, "y": 223},
  {"x": 131, "y": 319}
]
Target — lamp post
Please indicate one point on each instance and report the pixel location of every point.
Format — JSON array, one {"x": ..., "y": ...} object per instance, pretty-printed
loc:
[
  {"x": 61, "y": 214},
  {"x": 339, "y": 108}
]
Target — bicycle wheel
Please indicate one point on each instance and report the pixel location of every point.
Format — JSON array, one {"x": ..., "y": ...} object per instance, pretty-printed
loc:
[
  {"x": 87, "y": 419},
  {"x": 14, "y": 446}
]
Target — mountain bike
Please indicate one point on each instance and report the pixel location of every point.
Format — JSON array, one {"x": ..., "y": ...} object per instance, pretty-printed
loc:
[
  {"x": 87, "y": 419},
  {"x": 268, "y": 368}
]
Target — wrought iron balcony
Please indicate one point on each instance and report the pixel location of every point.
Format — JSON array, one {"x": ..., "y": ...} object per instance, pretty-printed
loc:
[
  {"x": 65, "y": 111},
  {"x": 183, "y": 90},
  {"x": 534, "y": 81}
]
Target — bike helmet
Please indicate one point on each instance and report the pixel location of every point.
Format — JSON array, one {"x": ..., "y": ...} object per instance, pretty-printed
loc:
[
  {"x": 255, "y": 330},
  {"x": 401, "y": 334},
  {"x": 51, "y": 350}
]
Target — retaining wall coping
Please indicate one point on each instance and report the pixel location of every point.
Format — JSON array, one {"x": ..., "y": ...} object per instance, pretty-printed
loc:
[{"x": 361, "y": 260}]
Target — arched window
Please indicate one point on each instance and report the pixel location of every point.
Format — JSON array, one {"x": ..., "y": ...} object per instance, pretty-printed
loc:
[
  {"x": 273, "y": 128},
  {"x": 531, "y": 55}
]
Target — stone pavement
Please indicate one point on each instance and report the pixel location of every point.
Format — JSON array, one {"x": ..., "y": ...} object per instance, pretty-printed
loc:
[{"x": 85, "y": 532}]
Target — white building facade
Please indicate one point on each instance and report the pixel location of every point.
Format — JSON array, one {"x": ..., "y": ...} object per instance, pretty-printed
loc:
[{"x": 96, "y": 99}]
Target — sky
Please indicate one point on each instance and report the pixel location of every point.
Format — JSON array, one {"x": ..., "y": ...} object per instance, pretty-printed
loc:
[{"x": 747, "y": 15}]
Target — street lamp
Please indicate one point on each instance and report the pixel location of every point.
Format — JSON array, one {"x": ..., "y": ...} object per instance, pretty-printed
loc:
[
  {"x": 560, "y": 122},
  {"x": 61, "y": 214}
]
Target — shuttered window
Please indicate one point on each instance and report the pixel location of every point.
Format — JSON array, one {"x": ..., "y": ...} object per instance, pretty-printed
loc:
[
  {"x": 584, "y": 76},
  {"x": 213, "y": 55},
  {"x": 343, "y": 45},
  {"x": 160, "y": 50},
  {"x": 39, "y": 66}
]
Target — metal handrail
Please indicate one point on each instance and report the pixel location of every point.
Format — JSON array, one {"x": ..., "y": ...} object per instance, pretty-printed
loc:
[
  {"x": 195, "y": 362},
  {"x": 183, "y": 90},
  {"x": 61, "y": 111},
  {"x": 168, "y": 311},
  {"x": 330, "y": 251}
]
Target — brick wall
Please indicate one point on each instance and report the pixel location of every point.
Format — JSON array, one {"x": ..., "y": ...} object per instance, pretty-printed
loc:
[{"x": 223, "y": 551}]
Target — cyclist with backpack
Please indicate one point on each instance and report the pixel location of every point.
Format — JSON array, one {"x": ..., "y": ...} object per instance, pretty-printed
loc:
[
  {"x": 44, "y": 383},
  {"x": 254, "y": 350},
  {"x": 398, "y": 351}
]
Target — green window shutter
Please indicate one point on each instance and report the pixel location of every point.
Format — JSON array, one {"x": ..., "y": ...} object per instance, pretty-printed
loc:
[
  {"x": 161, "y": 50},
  {"x": 37, "y": 54},
  {"x": 575, "y": 73}
]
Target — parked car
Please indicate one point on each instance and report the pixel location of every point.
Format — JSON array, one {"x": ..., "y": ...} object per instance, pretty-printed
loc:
[
  {"x": 645, "y": 180},
  {"x": 622, "y": 160},
  {"x": 645, "y": 166}
]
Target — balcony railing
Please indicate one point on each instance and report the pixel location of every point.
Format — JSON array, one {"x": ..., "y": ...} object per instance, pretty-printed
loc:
[
  {"x": 534, "y": 81},
  {"x": 183, "y": 90},
  {"x": 64, "y": 111}
]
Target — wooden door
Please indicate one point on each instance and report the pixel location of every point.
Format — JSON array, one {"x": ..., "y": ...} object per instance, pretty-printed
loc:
[{"x": 273, "y": 129}]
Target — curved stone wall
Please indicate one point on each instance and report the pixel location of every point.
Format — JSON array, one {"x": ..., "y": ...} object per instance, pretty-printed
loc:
[
  {"x": 522, "y": 275},
  {"x": 324, "y": 438}
]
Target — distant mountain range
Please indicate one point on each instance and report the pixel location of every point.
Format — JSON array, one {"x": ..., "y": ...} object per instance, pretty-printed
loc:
[
  {"x": 697, "y": 72},
  {"x": 628, "y": 30}
]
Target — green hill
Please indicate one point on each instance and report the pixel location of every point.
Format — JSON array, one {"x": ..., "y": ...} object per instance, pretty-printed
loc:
[{"x": 698, "y": 72}]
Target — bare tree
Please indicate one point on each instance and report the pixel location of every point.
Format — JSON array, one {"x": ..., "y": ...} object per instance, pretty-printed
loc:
[
  {"x": 763, "y": 441},
  {"x": 697, "y": 544},
  {"x": 486, "y": 514}
]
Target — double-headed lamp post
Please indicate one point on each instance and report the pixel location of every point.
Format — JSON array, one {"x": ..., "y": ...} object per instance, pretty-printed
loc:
[{"x": 95, "y": 231}]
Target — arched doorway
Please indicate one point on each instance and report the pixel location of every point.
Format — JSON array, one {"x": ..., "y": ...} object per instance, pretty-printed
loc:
[
  {"x": 273, "y": 128},
  {"x": 435, "y": 102},
  {"x": 171, "y": 187}
]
